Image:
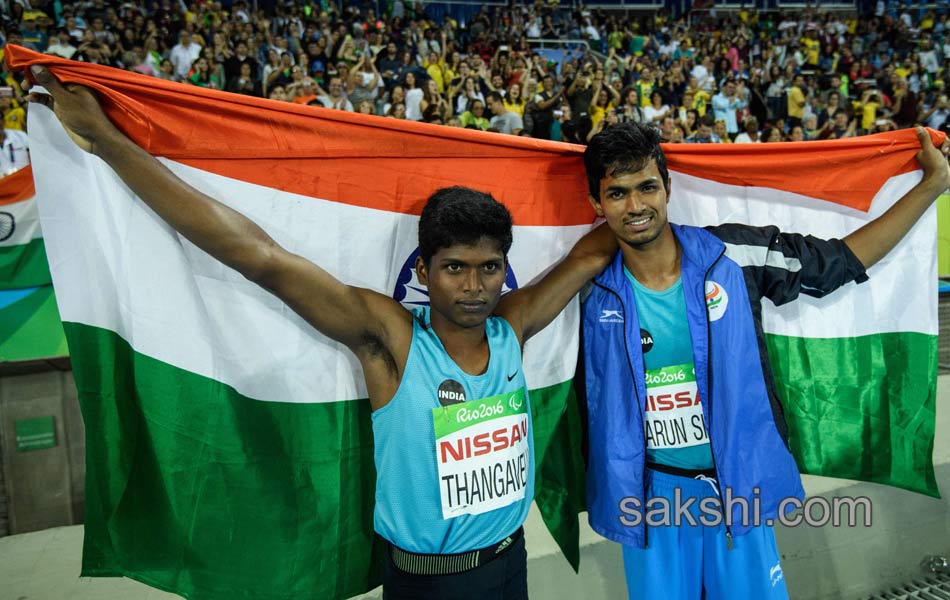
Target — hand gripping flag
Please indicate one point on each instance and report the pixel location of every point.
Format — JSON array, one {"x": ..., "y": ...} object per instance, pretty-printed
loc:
[{"x": 229, "y": 446}]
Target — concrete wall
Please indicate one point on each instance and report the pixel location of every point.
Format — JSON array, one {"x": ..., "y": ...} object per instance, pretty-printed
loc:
[{"x": 44, "y": 487}]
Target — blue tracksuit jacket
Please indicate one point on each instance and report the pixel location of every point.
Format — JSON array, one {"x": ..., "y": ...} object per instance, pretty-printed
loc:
[{"x": 727, "y": 270}]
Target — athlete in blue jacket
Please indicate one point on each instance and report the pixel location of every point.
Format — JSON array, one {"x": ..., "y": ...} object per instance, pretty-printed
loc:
[{"x": 681, "y": 405}]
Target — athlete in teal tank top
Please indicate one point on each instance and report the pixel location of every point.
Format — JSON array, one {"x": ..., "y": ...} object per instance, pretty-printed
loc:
[
  {"x": 463, "y": 477},
  {"x": 464, "y": 239}
]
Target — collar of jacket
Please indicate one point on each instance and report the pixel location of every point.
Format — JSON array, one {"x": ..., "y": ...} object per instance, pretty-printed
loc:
[{"x": 700, "y": 250}]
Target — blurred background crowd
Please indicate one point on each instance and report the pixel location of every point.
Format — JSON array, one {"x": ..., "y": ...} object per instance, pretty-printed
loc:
[{"x": 540, "y": 69}]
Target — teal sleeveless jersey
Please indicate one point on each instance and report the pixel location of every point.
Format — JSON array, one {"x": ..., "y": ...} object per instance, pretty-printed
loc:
[
  {"x": 454, "y": 452},
  {"x": 674, "y": 423}
]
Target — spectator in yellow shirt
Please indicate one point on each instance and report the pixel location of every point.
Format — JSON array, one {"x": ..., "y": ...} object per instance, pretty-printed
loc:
[
  {"x": 14, "y": 117},
  {"x": 796, "y": 101}
]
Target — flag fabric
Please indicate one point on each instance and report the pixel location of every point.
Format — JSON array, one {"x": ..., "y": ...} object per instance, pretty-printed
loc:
[
  {"x": 229, "y": 446},
  {"x": 29, "y": 321},
  {"x": 856, "y": 371}
]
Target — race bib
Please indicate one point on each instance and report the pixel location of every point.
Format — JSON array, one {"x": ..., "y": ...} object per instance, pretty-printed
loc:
[
  {"x": 482, "y": 451},
  {"x": 674, "y": 415}
]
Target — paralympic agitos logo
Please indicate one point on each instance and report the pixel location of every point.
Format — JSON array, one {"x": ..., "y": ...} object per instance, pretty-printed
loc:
[{"x": 411, "y": 293}]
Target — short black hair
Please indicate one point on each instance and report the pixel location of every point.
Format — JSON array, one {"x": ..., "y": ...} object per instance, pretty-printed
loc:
[
  {"x": 623, "y": 148},
  {"x": 459, "y": 215}
]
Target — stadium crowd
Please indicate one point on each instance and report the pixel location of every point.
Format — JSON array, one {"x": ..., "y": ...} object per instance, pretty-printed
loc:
[{"x": 710, "y": 76}]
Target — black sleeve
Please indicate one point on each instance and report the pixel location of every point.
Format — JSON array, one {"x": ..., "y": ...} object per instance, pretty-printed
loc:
[{"x": 784, "y": 265}]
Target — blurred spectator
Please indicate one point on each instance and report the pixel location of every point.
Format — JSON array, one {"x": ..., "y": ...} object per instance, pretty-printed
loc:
[
  {"x": 474, "y": 117},
  {"x": 503, "y": 120},
  {"x": 796, "y": 101},
  {"x": 841, "y": 126},
  {"x": 62, "y": 46},
  {"x": 725, "y": 104},
  {"x": 15, "y": 151},
  {"x": 335, "y": 98},
  {"x": 14, "y": 117},
  {"x": 704, "y": 132},
  {"x": 244, "y": 82},
  {"x": 184, "y": 54},
  {"x": 750, "y": 133}
]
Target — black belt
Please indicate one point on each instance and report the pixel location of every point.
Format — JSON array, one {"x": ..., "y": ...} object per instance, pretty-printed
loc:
[
  {"x": 691, "y": 473},
  {"x": 450, "y": 564}
]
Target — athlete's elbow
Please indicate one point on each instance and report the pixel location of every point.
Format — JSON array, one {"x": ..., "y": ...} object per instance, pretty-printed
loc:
[{"x": 259, "y": 263}]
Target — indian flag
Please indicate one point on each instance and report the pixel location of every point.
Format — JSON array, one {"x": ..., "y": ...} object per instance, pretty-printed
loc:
[
  {"x": 229, "y": 448},
  {"x": 29, "y": 322}
]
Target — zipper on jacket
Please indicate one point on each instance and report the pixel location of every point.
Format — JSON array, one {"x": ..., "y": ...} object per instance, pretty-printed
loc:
[
  {"x": 626, "y": 349},
  {"x": 729, "y": 545}
]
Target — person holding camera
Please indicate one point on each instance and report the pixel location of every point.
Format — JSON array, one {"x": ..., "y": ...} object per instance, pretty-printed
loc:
[{"x": 563, "y": 129}]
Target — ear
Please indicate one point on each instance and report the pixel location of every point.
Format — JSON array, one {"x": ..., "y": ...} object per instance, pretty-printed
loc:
[
  {"x": 595, "y": 203},
  {"x": 421, "y": 273}
]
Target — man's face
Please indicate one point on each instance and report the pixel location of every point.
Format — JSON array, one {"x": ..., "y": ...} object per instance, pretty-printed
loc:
[
  {"x": 729, "y": 88},
  {"x": 704, "y": 132},
  {"x": 634, "y": 204},
  {"x": 336, "y": 87},
  {"x": 464, "y": 282},
  {"x": 841, "y": 120},
  {"x": 667, "y": 127}
]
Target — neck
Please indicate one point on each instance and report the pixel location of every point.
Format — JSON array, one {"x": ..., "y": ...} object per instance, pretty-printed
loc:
[
  {"x": 467, "y": 346},
  {"x": 656, "y": 264}
]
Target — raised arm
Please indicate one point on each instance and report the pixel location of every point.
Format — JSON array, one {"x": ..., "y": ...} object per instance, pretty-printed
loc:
[
  {"x": 873, "y": 241},
  {"x": 354, "y": 71},
  {"x": 531, "y": 308},
  {"x": 363, "y": 320}
]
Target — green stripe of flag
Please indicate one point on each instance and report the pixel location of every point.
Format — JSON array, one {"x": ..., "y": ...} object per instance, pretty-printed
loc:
[
  {"x": 30, "y": 328},
  {"x": 195, "y": 489},
  {"x": 846, "y": 396},
  {"x": 24, "y": 265}
]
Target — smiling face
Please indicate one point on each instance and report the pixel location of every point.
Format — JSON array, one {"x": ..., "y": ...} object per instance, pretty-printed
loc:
[
  {"x": 634, "y": 204},
  {"x": 464, "y": 283}
]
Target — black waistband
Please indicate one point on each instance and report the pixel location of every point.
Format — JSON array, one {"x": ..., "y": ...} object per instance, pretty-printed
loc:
[
  {"x": 691, "y": 473},
  {"x": 450, "y": 564}
]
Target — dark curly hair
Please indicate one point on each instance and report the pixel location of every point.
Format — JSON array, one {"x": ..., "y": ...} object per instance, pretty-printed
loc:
[
  {"x": 459, "y": 215},
  {"x": 623, "y": 148}
]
